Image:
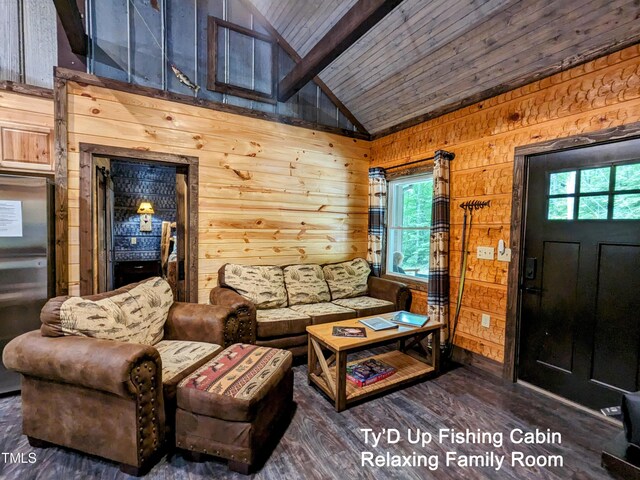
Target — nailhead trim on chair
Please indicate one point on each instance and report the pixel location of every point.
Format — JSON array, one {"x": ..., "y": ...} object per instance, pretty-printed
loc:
[{"x": 148, "y": 427}]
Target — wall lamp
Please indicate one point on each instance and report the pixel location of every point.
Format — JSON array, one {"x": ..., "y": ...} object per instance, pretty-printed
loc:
[{"x": 145, "y": 210}]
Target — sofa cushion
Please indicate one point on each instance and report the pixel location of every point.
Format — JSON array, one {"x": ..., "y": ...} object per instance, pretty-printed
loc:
[
  {"x": 262, "y": 285},
  {"x": 137, "y": 315},
  {"x": 347, "y": 279},
  {"x": 325, "y": 312},
  {"x": 306, "y": 284},
  {"x": 277, "y": 322},
  {"x": 180, "y": 358},
  {"x": 232, "y": 385},
  {"x": 366, "y": 306}
]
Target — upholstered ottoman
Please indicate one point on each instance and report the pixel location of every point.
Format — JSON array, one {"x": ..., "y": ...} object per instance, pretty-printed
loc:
[{"x": 231, "y": 406}]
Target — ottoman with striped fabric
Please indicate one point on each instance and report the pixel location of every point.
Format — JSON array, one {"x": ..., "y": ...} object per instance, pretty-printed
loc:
[{"x": 230, "y": 406}]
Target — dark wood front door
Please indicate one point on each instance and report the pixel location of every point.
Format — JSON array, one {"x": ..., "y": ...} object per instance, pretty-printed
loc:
[{"x": 580, "y": 308}]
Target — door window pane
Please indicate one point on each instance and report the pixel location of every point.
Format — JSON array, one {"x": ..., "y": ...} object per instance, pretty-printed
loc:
[
  {"x": 562, "y": 183},
  {"x": 594, "y": 180},
  {"x": 628, "y": 177},
  {"x": 593, "y": 208},
  {"x": 626, "y": 207},
  {"x": 560, "y": 208}
]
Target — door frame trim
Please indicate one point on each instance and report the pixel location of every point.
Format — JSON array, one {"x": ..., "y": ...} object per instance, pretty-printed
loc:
[
  {"x": 518, "y": 214},
  {"x": 87, "y": 153}
]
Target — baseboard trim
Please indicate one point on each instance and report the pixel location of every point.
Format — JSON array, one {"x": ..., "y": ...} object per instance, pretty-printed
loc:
[
  {"x": 570, "y": 403},
  {"x": 472, "y": 359}
]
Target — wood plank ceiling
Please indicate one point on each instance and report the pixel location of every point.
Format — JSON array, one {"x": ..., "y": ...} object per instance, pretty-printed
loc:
[{"x": 427, "y": 58}]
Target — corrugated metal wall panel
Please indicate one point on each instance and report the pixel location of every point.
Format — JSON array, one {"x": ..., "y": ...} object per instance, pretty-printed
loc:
[{"x": 10, "y": 41}]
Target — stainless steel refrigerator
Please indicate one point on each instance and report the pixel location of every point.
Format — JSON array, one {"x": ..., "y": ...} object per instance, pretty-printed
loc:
[{"x": 26, "y": 259}]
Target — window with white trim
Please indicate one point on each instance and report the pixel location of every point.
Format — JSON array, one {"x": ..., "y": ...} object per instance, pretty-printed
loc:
[{"x": 409, "y": 226}]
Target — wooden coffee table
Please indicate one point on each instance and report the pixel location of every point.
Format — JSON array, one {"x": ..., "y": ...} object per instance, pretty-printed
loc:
[{"x": 409, "y": 368}]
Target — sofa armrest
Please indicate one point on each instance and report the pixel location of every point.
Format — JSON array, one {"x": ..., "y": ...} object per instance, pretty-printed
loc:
[
  {"x": 106, "y": 365},
  {"x": 391, "y": 291},
  {"x": 244, "y": 309},
  {"x": 202, "y": 323}
]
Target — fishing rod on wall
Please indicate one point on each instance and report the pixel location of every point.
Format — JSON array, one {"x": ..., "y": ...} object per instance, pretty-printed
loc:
[{"x": 469, "y": 207}]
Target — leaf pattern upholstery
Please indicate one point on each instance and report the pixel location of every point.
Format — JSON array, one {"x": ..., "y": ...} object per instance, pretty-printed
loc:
[
  {"x": 260, "y": 284},
  {"x": 137, "y": 315},
  {"x": 306, "y": 284},
  {"x": 178, "y": 356},
  {"x": 347, "y": 279}
]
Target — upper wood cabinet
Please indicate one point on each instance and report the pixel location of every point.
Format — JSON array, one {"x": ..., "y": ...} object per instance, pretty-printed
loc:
[{"x": 25, "y": 147}]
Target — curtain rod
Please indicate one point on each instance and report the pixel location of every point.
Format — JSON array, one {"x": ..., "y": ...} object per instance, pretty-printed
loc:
[{"x": 447, "y": 154}]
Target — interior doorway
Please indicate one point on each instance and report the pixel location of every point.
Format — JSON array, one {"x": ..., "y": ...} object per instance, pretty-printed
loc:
[
  {"x": 579, "y": 273},
  {"x": 138, "y": 219}
]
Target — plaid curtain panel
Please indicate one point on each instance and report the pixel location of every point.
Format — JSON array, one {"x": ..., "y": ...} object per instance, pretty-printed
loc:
[
  {"x": 438, "y": 296},
  {"x": 377, "y": 212}
]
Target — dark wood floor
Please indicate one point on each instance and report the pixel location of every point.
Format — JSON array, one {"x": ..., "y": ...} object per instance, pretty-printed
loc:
[{"x": 322, "y": 444}]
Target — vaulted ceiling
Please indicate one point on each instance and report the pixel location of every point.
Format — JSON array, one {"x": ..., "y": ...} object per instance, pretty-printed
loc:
[{"x": 426, "y": 58}]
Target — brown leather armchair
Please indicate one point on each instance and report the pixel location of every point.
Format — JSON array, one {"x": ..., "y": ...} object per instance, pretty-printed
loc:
[{"x": 106, "y": 397}]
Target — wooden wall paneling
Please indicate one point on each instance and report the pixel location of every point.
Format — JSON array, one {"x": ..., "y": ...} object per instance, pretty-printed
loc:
[
  {"x": 10, "y": 39},
  {"x": 269, "y": 193},
  {"x": 60, "y": 105},
  {"x": 40, "y": 48},
  {"x": 596, "y": 101},
  {"x": 190, "y": 100}
]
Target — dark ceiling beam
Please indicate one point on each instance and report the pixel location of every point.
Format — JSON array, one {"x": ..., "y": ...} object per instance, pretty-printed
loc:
[
  {"x": 297, "y": 58},
  {"x": 73, "y": 25},
  {"x": 363, "y": 16}
]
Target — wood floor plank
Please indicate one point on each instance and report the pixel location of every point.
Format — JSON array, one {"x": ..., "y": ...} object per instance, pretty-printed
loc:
[{"x": 322, "y": 444}]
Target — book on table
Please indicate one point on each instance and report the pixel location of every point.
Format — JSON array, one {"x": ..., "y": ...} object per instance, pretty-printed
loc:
[
  {"x": 410, "y": 319},
  {"x": 378, "y": 323},
  {"x": 368, "y": 372},
  {"x": 358, "y": 332}
]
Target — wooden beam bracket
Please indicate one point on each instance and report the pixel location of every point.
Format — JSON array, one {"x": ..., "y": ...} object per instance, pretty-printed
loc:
[
  {"x": 73, "y": 25},
  {"x": 361, "y": 18}
]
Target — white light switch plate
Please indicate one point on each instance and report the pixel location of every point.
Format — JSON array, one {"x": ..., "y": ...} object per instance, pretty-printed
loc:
[
  {"x": 485, "y": 253},
  {"x": 486, "y": 320},
  {"x": 134, "y": 240}
]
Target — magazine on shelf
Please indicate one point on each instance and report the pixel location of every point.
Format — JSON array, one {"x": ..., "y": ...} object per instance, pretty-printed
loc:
[
  {"x": 410, "y": 319},
  {"x": 368, "y": 372},
  {"x": 359, "y": 332},
  {"x": 378, "y": 323}
]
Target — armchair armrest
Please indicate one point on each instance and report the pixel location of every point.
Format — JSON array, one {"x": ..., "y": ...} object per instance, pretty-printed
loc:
[
  {"x": 395, "y": 292},
  {"x": 106, "y": 365},
  {"x": 202, "y": 323},
  {"x": 244, "y": 309}
]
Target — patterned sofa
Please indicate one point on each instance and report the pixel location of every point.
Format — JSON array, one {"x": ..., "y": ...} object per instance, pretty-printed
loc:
[
  {"x": 282, "y": 301},
  {"x": 101, "y": 374}
]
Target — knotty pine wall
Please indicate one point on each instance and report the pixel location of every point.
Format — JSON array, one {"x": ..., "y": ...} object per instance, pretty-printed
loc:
[
  {"x": 597, "y": 95},
  {"x": 269, "y": 193}
]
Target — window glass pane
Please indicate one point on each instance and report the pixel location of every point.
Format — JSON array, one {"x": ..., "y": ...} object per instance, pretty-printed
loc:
[
  {"x": 626, "y": 207},
  {"x": 595, "y": 180},
  {"x": 628, "y": 177},
  {"x": 263, "y": 67},
  {"x": 240, "y": 60},
  {"x": 416, "y": 203},
  {"x": 562, "y": 183},
  {"x": 560, "y": 208},
  {"x": 593, "y": 208},
  {"x": 409, "y": 252}
]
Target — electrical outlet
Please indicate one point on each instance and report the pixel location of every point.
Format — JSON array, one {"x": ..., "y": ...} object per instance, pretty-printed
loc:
[
  {"x": 486, "y": 320},
  {"x": 485, "y": 253},
  {"x": 134, "y": 240},
  {"x": 505, "y": 256}
]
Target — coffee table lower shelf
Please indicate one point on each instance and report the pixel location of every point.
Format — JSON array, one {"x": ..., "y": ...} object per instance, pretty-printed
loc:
[{"x": 408, "y": 369}]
